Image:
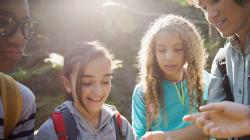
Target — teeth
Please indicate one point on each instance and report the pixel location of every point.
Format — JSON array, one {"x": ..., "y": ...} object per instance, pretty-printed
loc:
[{"x": 95, "y": 99}]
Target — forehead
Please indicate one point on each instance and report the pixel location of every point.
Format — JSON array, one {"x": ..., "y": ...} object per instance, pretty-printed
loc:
[
  {"x": 97, "y": 67},
  {"x": 18, "y": 8},
  {"x": 171, "y": 38},
  {"x": 101, "y": 63}
]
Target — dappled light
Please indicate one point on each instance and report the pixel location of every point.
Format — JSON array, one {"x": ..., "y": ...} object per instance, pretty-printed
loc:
[
  {"x": 55, "y": 59},
  {"x": 118, "y": 24}
]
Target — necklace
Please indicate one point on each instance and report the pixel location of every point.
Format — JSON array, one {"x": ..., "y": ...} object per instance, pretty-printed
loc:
[{"x": 180, "y": 92}]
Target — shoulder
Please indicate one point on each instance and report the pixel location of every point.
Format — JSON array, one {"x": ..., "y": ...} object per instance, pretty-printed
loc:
[
  {"x": 46, "y": 131},
  {"x": 27, "y": 94},
  {"x": 138, "y": 90},
  {"x": 221, "y": 53},
  {"x": 126, "y": 129},
  {"x": 29, "y": 106},
  {"x": 110, "y": 108}
]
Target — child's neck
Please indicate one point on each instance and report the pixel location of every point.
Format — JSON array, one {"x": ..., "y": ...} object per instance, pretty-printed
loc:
[
  {"x": 94, "y": 120},
  {"x": 176, "y": 78},
  {"x": 92, "y": 117}
]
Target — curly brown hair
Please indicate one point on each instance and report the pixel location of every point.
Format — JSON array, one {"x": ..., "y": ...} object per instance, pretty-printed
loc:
[{"x": 151, "y": 76}]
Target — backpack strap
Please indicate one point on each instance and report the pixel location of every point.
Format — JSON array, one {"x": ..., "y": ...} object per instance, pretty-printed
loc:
[
  {"x": 59, "y": 126},
  {"x": 223, "y": 69},
  {"x": 12, "y": 103},
  {"x": 118, "y": 126},
  {"x": 70, "y": 124},
  {"x": 64, "y": 124}
]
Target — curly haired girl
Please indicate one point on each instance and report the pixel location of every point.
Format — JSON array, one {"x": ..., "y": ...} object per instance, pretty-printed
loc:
[{"x": 172, "y": 77}]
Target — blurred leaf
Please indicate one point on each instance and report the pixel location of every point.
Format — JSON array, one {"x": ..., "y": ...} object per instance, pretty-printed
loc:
[{"x": 181, "y": 2}]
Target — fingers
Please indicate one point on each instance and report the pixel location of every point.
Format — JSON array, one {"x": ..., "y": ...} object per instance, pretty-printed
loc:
[
  {"x": 190, "y": 118},
  {"x": 207, "y": 127},
  {"x": 202, "y": 120},
  {"x": 216, "y": 132},
  {"x": 147, "y": 136},
  {"x": 199, "y": 119},
  {"x": 216, "y": 106},
  {"x": 154, "y": 135}
]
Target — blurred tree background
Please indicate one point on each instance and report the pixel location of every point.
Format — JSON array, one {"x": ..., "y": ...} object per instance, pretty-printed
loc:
[{"x": 119, "y": 24}]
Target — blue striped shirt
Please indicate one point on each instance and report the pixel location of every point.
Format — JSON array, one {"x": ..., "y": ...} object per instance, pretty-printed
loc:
[{"x": 25, "y": 127}]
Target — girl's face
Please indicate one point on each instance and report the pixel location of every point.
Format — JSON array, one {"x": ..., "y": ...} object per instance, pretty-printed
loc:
[
  {"x": 170, "y": 55},
  {"x": 227, "y": 16},
  {"x": 95, "y": 85}
]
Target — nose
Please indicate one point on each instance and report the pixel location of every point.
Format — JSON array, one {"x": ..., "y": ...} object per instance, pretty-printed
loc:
[
  {"x": 97, "y": 90},
  {"x": 211, "y": 14},
  {"x": 17, "y": 39},
  {"x": 169, "y": 56}
]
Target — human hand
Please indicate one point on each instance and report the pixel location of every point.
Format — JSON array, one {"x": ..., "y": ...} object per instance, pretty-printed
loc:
[
  {"x": 222, "y": 119},
  {"x": 154, "y": 135}
]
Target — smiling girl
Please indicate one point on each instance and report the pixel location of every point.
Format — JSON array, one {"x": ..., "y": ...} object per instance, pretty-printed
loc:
[{"x": 87, "y": 79}]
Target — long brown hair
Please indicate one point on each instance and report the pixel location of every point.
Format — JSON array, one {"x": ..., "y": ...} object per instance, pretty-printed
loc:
[{"x": 151, "y": 75}]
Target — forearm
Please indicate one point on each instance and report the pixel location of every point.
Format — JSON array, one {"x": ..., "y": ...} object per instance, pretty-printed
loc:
[{"x": 189, "y": 133}]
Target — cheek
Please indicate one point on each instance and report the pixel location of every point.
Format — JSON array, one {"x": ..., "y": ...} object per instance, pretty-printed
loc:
[
  {"x": 107, "y": 89},
  {"x": 85, "y": 90},
  {"x": 159, "y": 58}
]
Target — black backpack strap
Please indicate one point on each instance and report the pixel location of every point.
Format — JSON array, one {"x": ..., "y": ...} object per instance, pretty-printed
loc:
[
  {"x": 223, "y": 69},
  {"x": 70, "y": 124},
  {"x": 118, "y": 124}
]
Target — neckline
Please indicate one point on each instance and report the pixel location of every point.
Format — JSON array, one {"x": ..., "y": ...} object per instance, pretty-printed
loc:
[{"x": 180, "y": 91}]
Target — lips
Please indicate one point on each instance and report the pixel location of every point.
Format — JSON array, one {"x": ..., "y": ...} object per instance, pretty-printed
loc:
[
  {"x": 220, "y": 24},
  {"x": 170, "y": 66},
  {"x": 13, "y": 53}
]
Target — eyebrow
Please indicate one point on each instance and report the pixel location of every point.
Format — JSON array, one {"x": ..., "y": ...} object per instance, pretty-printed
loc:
[
  {"x": 91, "y": 76},
  {"x": 161, "y": 46}
]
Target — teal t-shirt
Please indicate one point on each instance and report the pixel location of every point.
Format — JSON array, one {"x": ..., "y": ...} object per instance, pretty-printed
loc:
[{"x": 171, "y": 118}]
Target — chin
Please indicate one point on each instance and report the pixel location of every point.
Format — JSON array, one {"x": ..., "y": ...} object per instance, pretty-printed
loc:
[
  {"x": 225, "y": 34},
  {"x": 8, "y": 68}
]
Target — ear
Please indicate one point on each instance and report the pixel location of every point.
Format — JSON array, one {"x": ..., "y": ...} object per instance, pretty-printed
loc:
[{"x": 67, "y": 85}]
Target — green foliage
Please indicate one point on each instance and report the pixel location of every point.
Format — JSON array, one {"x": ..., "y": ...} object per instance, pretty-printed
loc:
[
  {"x": 181, "y": 2},
  {"x": 45, "y": 105}
]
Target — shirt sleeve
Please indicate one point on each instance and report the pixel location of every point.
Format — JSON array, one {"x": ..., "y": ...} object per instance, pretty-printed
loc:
[
  {"x": 215, "y": 89},
  {"x": 46, "y": 131},
  {"x": 24, "y": 129},
  {"x": 127, "y": 130},
  {"x": 138, "y": 111}
]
